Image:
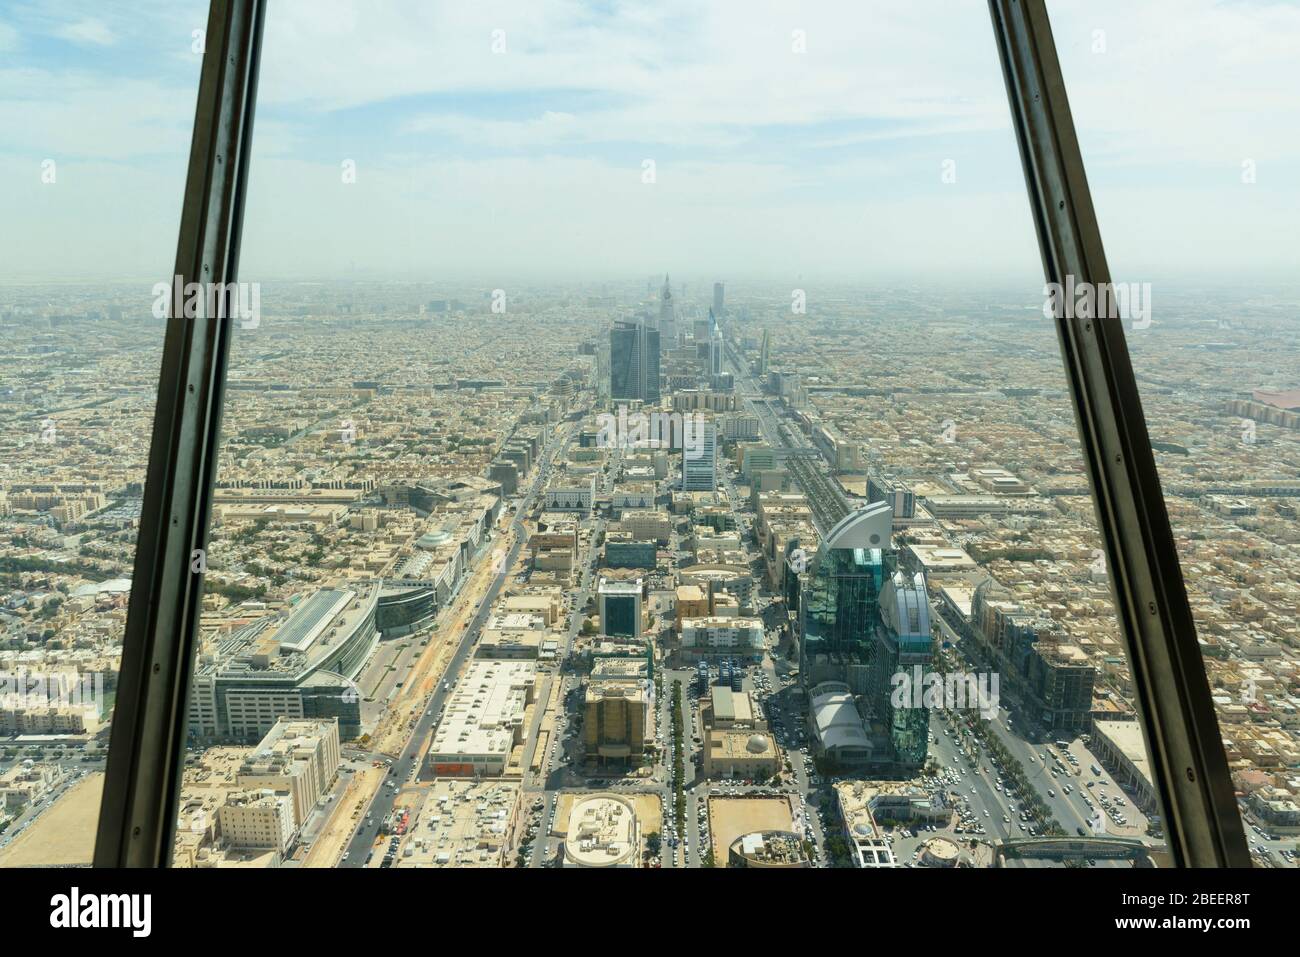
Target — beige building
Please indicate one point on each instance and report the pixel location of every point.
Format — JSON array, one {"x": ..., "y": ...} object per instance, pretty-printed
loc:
[
  {"x": 258, "y": 818},
  {"x": 647, "y": 526},
  {"x": 767, "y": 849},
  {"x": 692, "y": 602},
  {"x": 463, "y": 824},
  {"x": 619, "y": 703},
  {"x": 741, "y": 754},
  {"x": 483, "y": 720},
  {"x": 602, "y": 832},
  {"x": 301, "y": 757}
]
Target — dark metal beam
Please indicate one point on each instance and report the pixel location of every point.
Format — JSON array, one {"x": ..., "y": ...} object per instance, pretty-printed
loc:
[
  {"x": 137, "y": 818},
  {"x": 1189, "y": 768}
]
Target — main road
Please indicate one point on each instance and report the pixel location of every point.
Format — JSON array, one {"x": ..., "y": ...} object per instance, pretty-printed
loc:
[{"x": 381, "y": 806}]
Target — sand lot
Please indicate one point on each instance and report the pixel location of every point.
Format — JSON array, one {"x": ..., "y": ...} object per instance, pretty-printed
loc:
[
  {"x": 65, "y": 833},
  {"x": 731, "y": 817}
]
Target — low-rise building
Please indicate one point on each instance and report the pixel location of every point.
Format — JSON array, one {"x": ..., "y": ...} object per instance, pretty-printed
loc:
[{"x": 483, "y": 720}]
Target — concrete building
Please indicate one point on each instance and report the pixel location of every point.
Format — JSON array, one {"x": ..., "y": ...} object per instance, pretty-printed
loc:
[
  {"x": 1121, "y": 749},
  {"x": 620, "y": 608},
  {"x": 463, "y": 824},
  {"x": 483, "y": 721},
  {"x": 647, "y": 526},
  {"x": 602, "y": 832},
  {"x": 297, "y": 666},
  {"x": 301, "y": 758},
  {"x": 717, "y": 635},
  {"x": 744, "y": 755},
  {"x": 768, "y": 849},
  {"x": 571, "y": 494},
  {"x": 617, "y": 723},
  {"x": 259, "y": 818}
]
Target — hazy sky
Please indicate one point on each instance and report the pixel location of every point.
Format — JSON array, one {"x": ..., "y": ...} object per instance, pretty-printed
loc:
[{"x": 768, "y": 162}]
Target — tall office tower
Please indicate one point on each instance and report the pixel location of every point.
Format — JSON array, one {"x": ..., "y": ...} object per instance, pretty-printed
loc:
[
  {"x": 717, "y": 298},
  {"x": 898, "y": 494},
  {"x": 715, "y": 346},
  {"x": 903, "y": 651},
  {"x": 620, "y": 608},
  {"x": 667, "y": 314},
  {"x": 839, "y": 604},
  {"x": 763, "y": 355},
  {"x": 619, "y": 709},
  {"x": 862, "y": 623},
  {"x": 603, "y": 372},
  {"x": 699, "y": 454},
  {"x": 634, "y": 362}
]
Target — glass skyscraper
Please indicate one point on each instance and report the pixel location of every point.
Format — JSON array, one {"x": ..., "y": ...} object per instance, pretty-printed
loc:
[
  {"x": 839, "y": 608},
  {"x": 905, "y": 647},
  {"x": 634, "y": 362},
  {"x": 862, "y": 622}
]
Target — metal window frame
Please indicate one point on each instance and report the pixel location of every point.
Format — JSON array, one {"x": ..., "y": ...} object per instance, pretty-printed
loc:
[
  {"x": 1188, "y": 764},
  {"x": 137, "y": 816}
]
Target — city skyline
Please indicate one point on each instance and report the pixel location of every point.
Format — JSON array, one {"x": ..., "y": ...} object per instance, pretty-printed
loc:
[{"x": 641, "y": 436}]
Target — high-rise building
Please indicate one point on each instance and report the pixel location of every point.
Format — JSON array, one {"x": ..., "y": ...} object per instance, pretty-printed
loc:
[
  {"x": 620, "y": 608},
  {"x": 634, "y": 362},
  {"x": 699, "y": 455},
  {"x": 717, "y": 299},
  {"x": 899, "y": 495},
  {"x": 617, "y": 710},
  {"x": 667, "y": 312},
  {"x": 839, "y": 603},
  {"x": 903, "y": 652},
  {"x": 715, "y": 345},
  {"x": 863, "y": 623}
]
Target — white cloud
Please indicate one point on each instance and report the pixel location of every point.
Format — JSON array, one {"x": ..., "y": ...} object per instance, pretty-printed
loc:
[
  {"x": 769, "y": 161},
  {"x": 88, "y": 31}
]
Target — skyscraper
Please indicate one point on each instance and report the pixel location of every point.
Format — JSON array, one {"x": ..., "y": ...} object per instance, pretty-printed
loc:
[
  {"x": 903, "y": 649},
  {"x": 700, "y": 454},
  {"x": 839, "y": 607},
  {"x": 667, "y": 312},
  {"x": 862, "y": 622},
  {"x": 634, "y": 362},
  {"x": 717, "y": 299},
  {"x": 715, "y": 345}
]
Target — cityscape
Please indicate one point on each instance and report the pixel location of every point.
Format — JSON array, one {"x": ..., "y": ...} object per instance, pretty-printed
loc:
[{"x": 646, "y": 573}]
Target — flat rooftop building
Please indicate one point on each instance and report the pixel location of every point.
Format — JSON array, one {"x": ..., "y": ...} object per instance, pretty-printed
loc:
[
  {"x": 602, "y": 832},
  {"x": 483, "y": 720},
  {"x": 463, "y": 824}
]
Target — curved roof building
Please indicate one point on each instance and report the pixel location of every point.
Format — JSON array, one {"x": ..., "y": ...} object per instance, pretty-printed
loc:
[
  {"x": 767, "y": 849},
  {"x": 603, "y": 832},
  {"x": 861, "y": 623},
  {"x": 839, "y": 601}
]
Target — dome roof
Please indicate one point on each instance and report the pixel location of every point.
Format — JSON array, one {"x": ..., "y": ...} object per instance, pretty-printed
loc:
[{"x": 756, "y": 744}]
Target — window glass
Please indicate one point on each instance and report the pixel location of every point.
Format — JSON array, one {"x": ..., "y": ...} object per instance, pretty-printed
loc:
[
  {"x": 97, "y": 108},
  {"x": 651, "y": 451},
  {"x": 1188, "y": 118}
]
